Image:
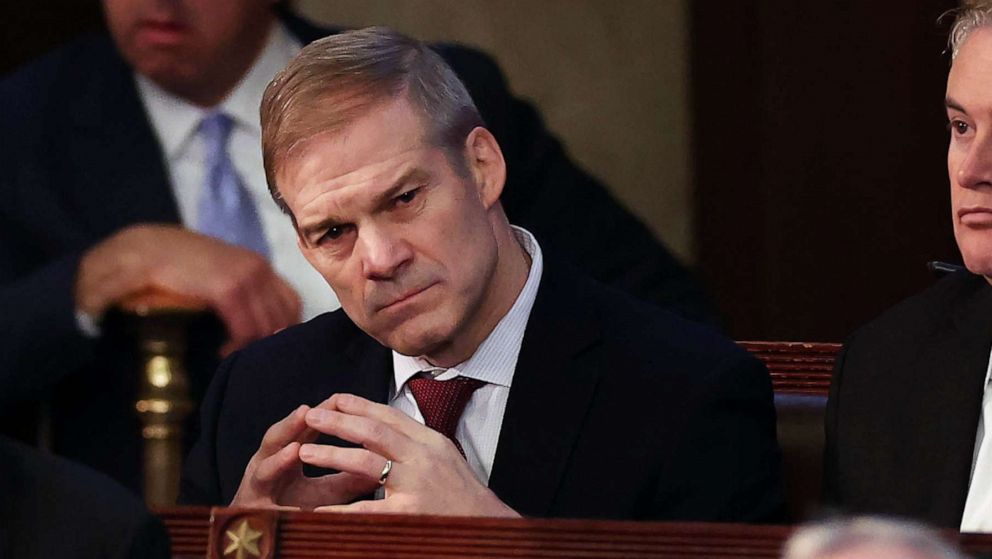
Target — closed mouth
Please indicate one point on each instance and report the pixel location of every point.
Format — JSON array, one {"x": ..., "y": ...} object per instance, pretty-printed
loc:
[
  {"x": 406, "y": 297},
  {"x": 974, "y": 210}
]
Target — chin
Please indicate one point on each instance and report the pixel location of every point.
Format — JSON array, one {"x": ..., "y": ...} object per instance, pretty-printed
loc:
[
  {"x": 976, "y": 251},
  {"x": 416, "y": 340}
]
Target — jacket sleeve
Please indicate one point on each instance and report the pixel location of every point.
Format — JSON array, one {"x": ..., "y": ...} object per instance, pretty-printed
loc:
[
  {"x": 40, "y": 342},
  {"x": 571, "y": 213},
  {"x": 730, "y": 466}
]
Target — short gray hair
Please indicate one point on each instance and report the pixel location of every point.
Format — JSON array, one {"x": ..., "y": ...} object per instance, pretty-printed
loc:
[
  {"x": 972, "y": 15},
  {"x": 814, "y": 541},
  {"x": 334, "y": 80}
]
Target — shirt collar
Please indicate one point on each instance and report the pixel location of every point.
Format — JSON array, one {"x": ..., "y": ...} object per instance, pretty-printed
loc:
[
  {"x": 988, "y": 372},
  {"x": 175, "y": 119},
  {"x": 496, "y": 358}
]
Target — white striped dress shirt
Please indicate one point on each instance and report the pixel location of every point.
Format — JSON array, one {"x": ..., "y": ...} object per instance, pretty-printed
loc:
[
  {"x": 493, "y": 362},
  {"x": 977, "y": 516}
]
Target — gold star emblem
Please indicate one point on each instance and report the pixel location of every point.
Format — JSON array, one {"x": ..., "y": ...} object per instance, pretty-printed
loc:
[{"x": 244, "y": 541}]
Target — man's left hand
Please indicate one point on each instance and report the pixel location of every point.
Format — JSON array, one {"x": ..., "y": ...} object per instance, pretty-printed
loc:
[{"x": 428, "y": 475}]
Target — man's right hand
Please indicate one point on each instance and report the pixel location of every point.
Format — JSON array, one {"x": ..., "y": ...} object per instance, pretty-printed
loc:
[
  {"x": 274, "y": 476},
  {"x": 238, "y": 284}
]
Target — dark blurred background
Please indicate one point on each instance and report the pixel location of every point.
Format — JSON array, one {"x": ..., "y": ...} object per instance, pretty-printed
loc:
[{"x": 792, "y": 153}]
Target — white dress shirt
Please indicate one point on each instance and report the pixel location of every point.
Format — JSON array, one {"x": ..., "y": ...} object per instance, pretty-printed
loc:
[
  {"x": 176, "y": 123},
  {"x": 978, "y": 507},
  {"x": 494, "y": 362}
]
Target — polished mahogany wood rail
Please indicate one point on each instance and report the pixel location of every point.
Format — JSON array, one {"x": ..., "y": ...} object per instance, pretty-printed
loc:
[
  {"x": 209, "y": 533},
  {"x": 797, "y": 367},
  {"x": 291, "y": 535}
]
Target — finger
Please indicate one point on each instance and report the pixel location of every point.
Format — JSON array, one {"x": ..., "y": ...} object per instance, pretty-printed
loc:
[
  {"x": 366, "y": 507},
  {"x": 340, "y": 488},
  {"x": 290, "y": 307},
  {"x": 286, "y": 430},
  {"x": 228, "y": 348},
  {"x": 239, "y": 318},
  {"x": 401, "y": 422},
  {"x": 265, "y": 308},
  {"x": 281, "y": 303},
  {"x": 272, "y": 468},
  {"x": 238, "y": 301},
  {"x": 358, "y": 461},
  {"x": 371, "y": 434},
  {"x": 262, "y": 317}
]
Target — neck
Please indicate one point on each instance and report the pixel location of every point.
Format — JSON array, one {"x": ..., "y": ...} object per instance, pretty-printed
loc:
[{"x": 509, "y": 278}]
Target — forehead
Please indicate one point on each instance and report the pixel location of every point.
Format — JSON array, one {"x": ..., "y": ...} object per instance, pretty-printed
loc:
[
  {"x": 970, "y": 79},
  {"x": 363, "y": 157}
]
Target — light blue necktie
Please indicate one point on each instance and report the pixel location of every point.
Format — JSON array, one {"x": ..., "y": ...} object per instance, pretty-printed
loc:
[{"x": 226, "y": 210}]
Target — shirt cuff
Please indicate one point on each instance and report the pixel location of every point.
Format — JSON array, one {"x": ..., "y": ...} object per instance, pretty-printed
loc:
[{"x": 88, "y": 326}]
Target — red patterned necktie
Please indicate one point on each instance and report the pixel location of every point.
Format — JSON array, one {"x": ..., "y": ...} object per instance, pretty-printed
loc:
[{"x": 442, "y": 402}]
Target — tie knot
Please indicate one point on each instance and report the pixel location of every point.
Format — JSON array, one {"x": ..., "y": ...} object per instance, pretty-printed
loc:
[
  {"x": 216, "y": 128},
  {"x": 442, "y": 402}
]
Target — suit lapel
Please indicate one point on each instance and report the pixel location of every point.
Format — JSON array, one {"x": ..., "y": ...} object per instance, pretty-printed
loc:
[
  {"x": 367, "y": 375},
  {"x": 373, "y": 366},
  {"x": 551, "y": 392},
  {"x": 965, "y": 358}
]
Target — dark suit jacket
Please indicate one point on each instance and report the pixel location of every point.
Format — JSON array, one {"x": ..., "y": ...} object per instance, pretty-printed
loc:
[
  {"x": 50, "y": 507},
  {"x": 905, "y": 404},
  {"x": 617, "y": 410},
  {"x": 80, "y": 161}
]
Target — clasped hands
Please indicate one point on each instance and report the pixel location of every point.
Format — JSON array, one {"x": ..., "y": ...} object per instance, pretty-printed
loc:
[{"x": 428, "y": 476}]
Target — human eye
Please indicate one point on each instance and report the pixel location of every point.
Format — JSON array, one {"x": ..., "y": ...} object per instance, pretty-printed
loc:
[
  {"x": 958, "y": 127},
  {"x": 333, "y": 233},
  {"x": 407, "y": 197}
]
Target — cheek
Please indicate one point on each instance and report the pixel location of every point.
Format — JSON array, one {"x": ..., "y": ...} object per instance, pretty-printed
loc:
[
  {"x": 336, "y": 274},
  {"x": 976, "y": 250},
  {"x": 954, "y": 158}
]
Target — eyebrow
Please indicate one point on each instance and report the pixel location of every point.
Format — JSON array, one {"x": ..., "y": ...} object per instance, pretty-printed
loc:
[
  {"x": 952, "y": 104},
  {"x": 413, "y": 175}
]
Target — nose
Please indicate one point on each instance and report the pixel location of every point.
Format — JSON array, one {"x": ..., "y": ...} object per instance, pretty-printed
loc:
[
  {"x": 975, "y": 170},
  {"x": 383, "y": 252}
]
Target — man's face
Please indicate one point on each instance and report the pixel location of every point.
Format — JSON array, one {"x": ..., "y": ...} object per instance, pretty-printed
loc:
[
  {"x": 190, "y": 47},
  {"x": 969, "y": 155},
  {"x": 406, "y": 242}
]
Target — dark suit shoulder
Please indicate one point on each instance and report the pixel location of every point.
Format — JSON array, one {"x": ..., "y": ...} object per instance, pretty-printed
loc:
[
  {"x": 303, "y": 364},
  {"x": 919, "y": 317},
  {"x": 702, "y": 407},
  {"x": 910, "y": 379},
  {"x": 58, "y": 74},
  {"x": 326, "y": 334},
  {"x": 76, "y": 83},
  {"x": 648, "y": 332}
]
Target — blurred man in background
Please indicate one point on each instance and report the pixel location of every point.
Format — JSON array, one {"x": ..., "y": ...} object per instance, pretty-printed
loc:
[{"x": 868, "y": 538}]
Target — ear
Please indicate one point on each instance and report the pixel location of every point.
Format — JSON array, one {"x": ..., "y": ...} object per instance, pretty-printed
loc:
[{"x": 486, "y": 164}]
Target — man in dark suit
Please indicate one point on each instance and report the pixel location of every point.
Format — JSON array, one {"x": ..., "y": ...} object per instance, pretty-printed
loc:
[
  {"x": 92, "y": 211},
  {"x": 906, "y": 430},
  {"x": 465, "y": 374}
]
